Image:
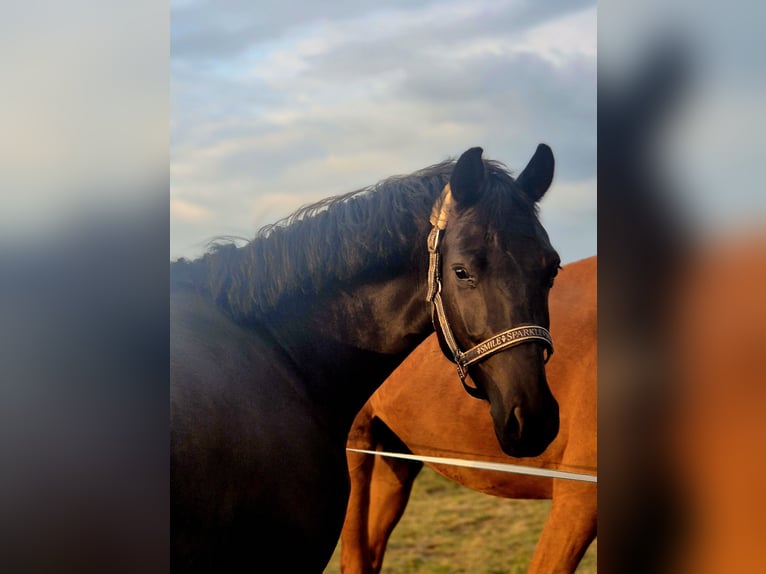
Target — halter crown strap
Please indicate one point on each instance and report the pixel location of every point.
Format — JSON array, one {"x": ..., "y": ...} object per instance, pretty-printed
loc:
[
  {"x": 501, "y": 341},
  {"x": 438, "y": 219}
]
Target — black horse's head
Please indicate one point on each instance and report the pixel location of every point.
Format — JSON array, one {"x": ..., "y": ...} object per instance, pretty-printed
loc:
[{"x": 497, "y": 267}]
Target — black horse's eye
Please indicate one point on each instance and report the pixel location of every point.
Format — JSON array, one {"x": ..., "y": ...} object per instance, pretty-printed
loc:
[{"x": 462, "y": 273}]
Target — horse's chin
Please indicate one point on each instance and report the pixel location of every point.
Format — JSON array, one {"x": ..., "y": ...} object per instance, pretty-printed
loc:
[
  {"x": 523, "y": 449},
  {"x": 527, "y": 436}
]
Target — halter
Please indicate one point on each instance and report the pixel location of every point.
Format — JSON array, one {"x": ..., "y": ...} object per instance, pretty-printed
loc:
[{"x": 487, "y": 348}]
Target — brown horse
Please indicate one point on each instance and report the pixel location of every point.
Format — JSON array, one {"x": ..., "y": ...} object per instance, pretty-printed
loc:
[{"x": 421, "y": 409}]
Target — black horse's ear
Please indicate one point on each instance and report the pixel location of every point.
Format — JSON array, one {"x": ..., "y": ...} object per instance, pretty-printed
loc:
[
  {"x": 467, "y": 177},
  {"x": 538, "y": 175}
]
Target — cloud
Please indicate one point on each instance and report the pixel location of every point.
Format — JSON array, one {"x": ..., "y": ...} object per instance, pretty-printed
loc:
[
  {"x": 205, "y": 30},
  {"x": 324, "y": 103},
  {"x": 185, "y": 211}
]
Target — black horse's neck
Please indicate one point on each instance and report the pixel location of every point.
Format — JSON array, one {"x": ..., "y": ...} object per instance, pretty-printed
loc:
[
  {"x": 348, "y": 339},
  {"x": 339, "y": 286}
]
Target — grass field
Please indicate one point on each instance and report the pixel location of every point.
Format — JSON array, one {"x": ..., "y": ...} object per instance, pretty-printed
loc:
[{"x": 450, "y": 529}]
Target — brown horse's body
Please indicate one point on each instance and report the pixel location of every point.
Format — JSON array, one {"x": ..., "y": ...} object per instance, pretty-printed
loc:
[{"x": 423, "y": 406}]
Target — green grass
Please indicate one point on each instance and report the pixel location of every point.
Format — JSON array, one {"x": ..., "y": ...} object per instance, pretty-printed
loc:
[{"x": 450, "y": 529}]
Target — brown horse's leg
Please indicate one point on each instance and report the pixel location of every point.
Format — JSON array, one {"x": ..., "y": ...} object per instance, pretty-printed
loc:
[
  {"x": 569, "y": 529},
  {"x": 380, "y": 489},
  {"x": 390, "y": 491},
  {"x": 355, "y": 548}
]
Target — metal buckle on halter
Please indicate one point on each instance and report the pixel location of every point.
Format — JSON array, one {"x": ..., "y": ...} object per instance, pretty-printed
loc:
[{"x": 462, "y": 373}]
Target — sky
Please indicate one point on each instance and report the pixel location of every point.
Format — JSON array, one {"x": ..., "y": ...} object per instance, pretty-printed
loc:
[{"x": 275, "y": 105}]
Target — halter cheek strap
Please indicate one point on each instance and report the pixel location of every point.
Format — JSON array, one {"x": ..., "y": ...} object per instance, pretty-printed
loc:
[{"x": 487, "y": 348}]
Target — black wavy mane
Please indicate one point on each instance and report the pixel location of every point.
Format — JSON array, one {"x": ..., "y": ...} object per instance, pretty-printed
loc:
[{"x": 355, "y": 235}]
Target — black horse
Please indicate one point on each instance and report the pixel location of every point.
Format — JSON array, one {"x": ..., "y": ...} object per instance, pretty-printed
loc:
[{"x": 277, "y": 344}]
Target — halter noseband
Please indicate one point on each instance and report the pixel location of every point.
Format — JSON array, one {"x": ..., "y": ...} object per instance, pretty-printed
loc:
[{"x": 501, "y": 341}]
